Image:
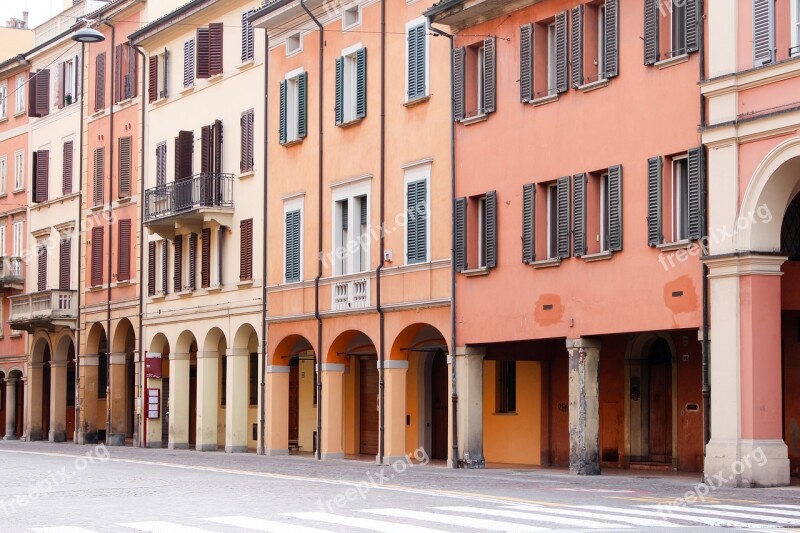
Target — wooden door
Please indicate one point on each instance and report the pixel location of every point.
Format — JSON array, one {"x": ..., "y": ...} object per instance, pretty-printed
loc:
[
  {"x": 368, "y": 406},
  {"x": 439, "y": 378},
  {"x": 165, "y": 412},
  {"x": 192, "y": 405},
  {"x": 294, "y": 403},
  {"x": 660, "y": 396}
]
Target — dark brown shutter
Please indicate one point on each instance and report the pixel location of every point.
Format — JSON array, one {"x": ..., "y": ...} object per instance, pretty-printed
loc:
[
  {"x": 205, "y": 149},
  {"x": 193, "y": 261},
  {"x": 133, "y": 72},
  {"x": 42, "y": 93},
  {"x": 42, "y": 172},
  {"x": 117, "y": 76},
  {"x": 202, "y": 53},
  {"x": 152, "y": 81},
  {"x": 215, "y": 48},
  {"x": 184, "y": 150},
  {"x": 100, "y": 82},
  {"x": 205, "y": 265},
  {"x": 164, "y": 265},
  {"x": 97, "y": 256},
  {"x": 125, "y": 164},
  {"x": 67, "y": 168},
  {"x": 178, "y": 270},
  {"x": 217, "y": 147},
  {"x": 124, "y": 256},
  {"x": 99, "y": 175},
  {"x": 42, "y": 281},
  {"x": 246, "y": 254},
  {"x": 32, "y": 94},
  {"x": 65, "y": 254},
  {"x": 151, "y": 268}
]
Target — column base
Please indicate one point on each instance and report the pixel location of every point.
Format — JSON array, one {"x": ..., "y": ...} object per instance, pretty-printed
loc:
[
  {"x": 115, "y": 439},
  {"x": 156, "y": 444},
  {"x": 206, "y": 447},
  {"x": 35, "y": 434},
  {"x": 473, "y": 462},
  {"x": 235, "y": 449},
  {"x": 12, "y": 437},
  {"x": 278, "y": 451},
  {"x": 87, "y": 437},
  {"x": 332, "y": 455},
  {"x": 746, "y": 463},
  {"x": 178, "y": 446},
  {"x": 388, "y": 460},
  {"x": 57, "y": 435}
]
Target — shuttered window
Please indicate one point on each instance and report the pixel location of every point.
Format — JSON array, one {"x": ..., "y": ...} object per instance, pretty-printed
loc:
[
  {"x": 561, "y": 59},
  {"x": 292, "y": 259},
  {"x": 97, "y": 256},
  {"x": 417, "y": 64},
  {"x": 67, "y": 168},
  {"x": 178, "y": 269},
  {"x": 99, "y": 175},
  {"x": 693, "y": 20},
  {"x": 615, "y": 208},
  {"x": 246, "y": 250},
  {"x": 161, "y": 164},
  {"x": 215, "y": 48},
  {"x": 528, "y": 220},
  {"x": 39, "y": 93},
  {"x": 42, "y": 270},
  {"x": 248, "y": 37},
  {"x": 283, "y": 127},
  {"x": 184, "y": 155},
  {"x": 579, "y": 215},
  {"x": 489, "y": 75},
  {"x": 654, "y": 185},
  {"x": 125, "y": 166},
  {"x": 696, "y": 192},
  {"x": 526, "y": 63},
  {"x": 193, "y": 261},
  {"x": 577, "y": 45},
  {"x": 205, "y": 265},
  {"x": 490, "y": 229},
  {"x": 459, "y": 83},
  {"x": 460, "y": 238},
  {"x": 202, "y": 58},
  {"x": 124, "y": 252},
  {"x": 41, "y": 173},
  {"x": 188, "y": 63},
  {"x": 651, "y": 31},
  {"x": 151, "y": 268},
  {"x": 611, "y": 42},
  {"x": 351, "y": 87},
  {"x": 152, "y": 80},
  {"x": 164, "y": 266},
  {"x": 562, "y": 192},
  {"x": 65, "y": 256},
  {"x": 100, "y": 81},
  {"x": 293, "y": 123},
  {"x": 247, "y": 122},
  {"x": 763, "y": 32},
  {"x": 125, "y": 72},
  {"x": 417, "y": 221}
]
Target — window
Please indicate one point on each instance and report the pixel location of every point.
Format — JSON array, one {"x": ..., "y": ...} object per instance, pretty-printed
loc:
[
  {"x": 552, "y": 221},
  {"x": 188, "y": 63},
  {"x": 125, "y": 65},
  {"x": 41, "y": 175},
  {"x": 248, "y": 36},
  {"x": 551, "y": 59},
  {"x": 125, "y": 164},
  {"x": 19, "y": 93},
  {"x": 351, "y": 17},
  {"x": 211, "y": 157},
  {"x": 100, "y": 81},
  {"x": 671, "y": 25},
  {"x": 417, "y": 215},
  {"x": 67, "y": 167},
  {"x": 3, "y": 240},
  {"x": 680, "y": 199},
  {"x": 3, "y": 101},
  {"x": 293, "y": 107},
  {"x": 41, "y": 254},
  {"x": 97, "y": 256},
  {"x": 209, "y": 50},
  {"x": 161, "y": 164},
  {"x": 124, "y": 250},
  {"x": 99, "y": 176},
  {"x": 19, "y": 171},
  {"x": 246, "y": 250},
  {"x": 351, "y": 237},
  {"x": 678, "y": 23},
  {"x": 593, "y": 51},
  {"x": 293, "y": 240},
  {"x": 597, "y": 212},
  {"x": 16, "y": 243},
  {"x": 795, "y": 29},
  {"x": 602, "y": 43},
  {"x": 39, "y": 93},
  {"x": 65, "y": 261},
  {"x": 253, "y": 381},
  {"x": 474, "y": 80},
  {"x": 184, "y": 155},
  {"x": 351, "y": 85},
  {"x": 476, "y": 216},
  {"x": 247, "y": 122},
  {"x": 417, "y": 64},
  {"x": 294, "y": 43},
  {"x": 546, "y": 224},
  {"x": 67, "y": 82},
  {"x": 683, "y": 205},
  {"x": 3, "y": 173},
  {"x": 157, "y": 78},
  {"x": 506, "y": 388}
]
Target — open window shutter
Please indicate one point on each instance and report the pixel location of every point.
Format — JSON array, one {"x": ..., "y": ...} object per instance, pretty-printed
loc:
[
  {"x": 216, "y": 136},
  {"x": 97, "y": 256},
  {"x": 76, "y": 92},
  {"x": 526, "y": 63},
  {"x": 205, "y": 265},
  {"x": 42, "y": 278},
  {"x": 100, "y": 82},
  {"x": 67, "y": 167},
  {"x": 184, "y": 155},
  {"x": 459, "y": 88},
  {"x": 65, "y": 254},
  {"x": 696, "y": 179},
  {"x": 361, "y": 83},
  {"x": 615, "y": 208},
  {"x": 489, "y": 75},
  {"x": 42, "y": 175},
  {"x": 416, "y": 62},
  {"x": 654, "y": 168},
  {"x": 188, "y": 63},
  {"x": 99, "y": 171},
  {"x": 202, "y": 61},
  {"x": 32, "y": 94},
  {"x": 562, "y": 60},
  {"x": 339, "y": 113},
  {"x": 193, "y": 261},
  {"x": 579, "y": 215},
  {"x": 42, "y": 93},
  {"x": 215, "y": 48},
  {"x": 411, "y": 224},
  {"x": 651, "y": 14},
  {"x": 117, "y": 79},
  {"x": 763, "y": 32},
  {"x": 282, "y": 127},
  {"x": 205, "y": 149},
  {"x": 151, "y": 268},
  {"x": 611, "y": 52},
  {"x": 161, "y": 164},
  {"x": 164, "y": 266},
  {"x": 125, "y": 164},
  {"x": 562, "y": 191},
  {"x": 528, "y": 201},
  {"x": 60, "y": 81},
  {"x": 124, "y": 257},
  {"x": 345, "y": 214},
  {"x": 177, "y": 271},
  {"x": 165, "y": 74},
  {"x": 246, "y": 253},
  {"x": 248, "y": 38},
  {"x": 693, "y": 18},
  {"x": 460, "y": 244},
  {"x": 133, "y": 72},
  {"x": 152, "y": 80},
  {"x": 577, "y": 46},
  {"x": 302, "y": 106},
  {"x": 491, "y": 229}
]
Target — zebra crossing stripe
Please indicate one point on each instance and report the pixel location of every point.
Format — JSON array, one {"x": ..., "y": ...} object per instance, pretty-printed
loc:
[
  {"x": 572, "y": 511},
  {"x": 465, "y": 521},
  {"x": 361, "y": 523},
  {"x": 782, "y": 506},
  {"x": 61, "y": 529},
  {"x": 783, "y": 512},
  {"x": 157, "y": 526},
  {"x": 717, "y": 522},
  {"x": 257, "y": 524},
  {"x": 519, "y": 515},
  {"x": 674, "y": 509}
]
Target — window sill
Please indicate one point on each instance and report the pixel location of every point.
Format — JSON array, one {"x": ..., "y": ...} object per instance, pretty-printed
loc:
[
  {"x": 123, "y": 200},
  {"x": 99, "y": 113},
  {"x": 159, "y": 101},
  {"x": 512, "y": 413},
  {"x": 672, "y": 61},
  {"x": 4, "y": 119},
  {"x": 187, "y": 90},
  {"x": 17, "y": 191},
  {"x": 547, "y": 263},
  {"x": 417, "y": 101},
  {"x": 544, "y": 100},
  {"x": 214, "y": 288},
  {"x": 589, "y": 87},
  {"x": 97, "y": 207},
  {"x": 246, "y": 64},
  {"x": 600, "y": 256},
  {"x": 350, "y": 123},
  {"x": 672, "y": 246},
  {"x": 158, "y": 297},
  {"x": 245, "y": 283},
  {"x": 247, "y": 174},
  {"x": 96, "y": 288},
  {"x": 184, "y": 293},
  {"x": 124, "y": 103},
  {"x": 3, "y": 195},
  {"x": 293, "y": 142},
  {"x": 215, "y": 77},
  {"x": 19, "y": 113},
  {"x": 483, "y": 271},
  {"x": 474, "y": 120},
  {"x": 122, "y": 283},
  {"x": 15, "y": 334}
]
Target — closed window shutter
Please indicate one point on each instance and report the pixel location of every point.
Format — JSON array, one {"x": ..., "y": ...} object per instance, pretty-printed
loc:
[
  {"x": 184, "y": 155},
  {"x": 577, "y": 46},
  {"x": 246, "y": 250},
  {"x": 164, "y": 266},
  {"x": 302, "y": 105},
  {"x": 97, "y": 256},
  {"x": 99, "y": 171},
  {"x": 615, "y": 208},
  {"x": 526, "y": 63},
  {"x": 654, "y": 168},
  {"x": 491, "y": 229},
  {"x": 422, "y": 220},
  {"x": 489, "y": 75},
  {"x": 188, "y": 63},
  {"x": 151, "y": 268},
  {"x": 205, "y": 264},
  {"x": 248, "y": 37},
  {"x": 161, "y": 164},
  {"x": 42, "y": 93},
  {"x": 165, "y": 74},
  {"x": 67, "y": 168},
  {"x": 42, "y": 278},
  {"x": 215, "y": 48},
  {"x": 345, "y": 215},
  {"x": 459, "y": 87},
  {"x": 42, "y": 175},
  {"x": 460, "y": 244},
  {"x": 763, "y": 32},
  {"x": 651, "y": 14},
  {"x": 611, "y": 52},
  {"x": 292, "y": 246},
  {"x": 562, "y": 191},
  {"x": 178, "y": 269},
  {"x": 416, "y": 62},
  {"x": 528, "y": 202},
  {"x": 205, "y": 149},
  {"x": 693, "y": 18},
  {"x": 696, "y": 179},
  {"x": 152, "y": 80},
  {"x": 100, "y": 82},
  {"x": 202, "y": 58},
  {"x": 193, "y": 261},
  {"x": 125, "y": 164},
  {"x": 411, "y": 225},
  {"x": 562, "y": 60},
  {"x": 579, "y": 215},
  {"x": 132, "y": 84},
  {"x": 65, "y": 253},
  {"x": 124, "y": 256},
  {"x": 117, "y": 80},
  {"x": 246, "y": 154},
  {"x": 339, "y": 111},
  {"x": 282, "y": 133}
]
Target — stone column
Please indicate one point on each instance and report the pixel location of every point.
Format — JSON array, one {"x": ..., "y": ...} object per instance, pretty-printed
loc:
[
  {"x": 584, "y": 406},
  {"x": 331, "y": 445},
  {"x": 277, "y": 413},
  {"x": 469, "y": 368},
  {"x": 178, "y": 401},
  {"x": 34, "y": 404},
  {"x": 237, "y": 400},
  {"x": 87, "y": 423},
  {"x": 394, "y": 423},
  {"x": 747, "y": 447},
  {"x": 116, "y": 398},
  {"x": 58, "y": 401},
  {"x": 207, "y": 400},
  {"x": 11, "y": 409}
]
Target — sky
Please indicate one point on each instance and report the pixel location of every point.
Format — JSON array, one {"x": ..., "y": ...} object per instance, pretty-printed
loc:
[{"x": 40, "y": 10}]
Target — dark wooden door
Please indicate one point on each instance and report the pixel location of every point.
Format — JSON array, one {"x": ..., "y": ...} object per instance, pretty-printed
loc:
[
  {"x": 20, "y": 413},
  {"x": 439, "y": 378},
  {"x": 165, "y": 412},
  {"x": 660, "y": 397},
  {"x": 294, "y": 404},
  {"x": 192, "y": 405},
  {"x": 368, "y": 407}
]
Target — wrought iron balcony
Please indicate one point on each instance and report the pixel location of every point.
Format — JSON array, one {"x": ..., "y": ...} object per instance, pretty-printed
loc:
[
  {"x": 189, "y": 198},
  {"x": 11, "y": 272},
  {"x": 44, "y": 309}
]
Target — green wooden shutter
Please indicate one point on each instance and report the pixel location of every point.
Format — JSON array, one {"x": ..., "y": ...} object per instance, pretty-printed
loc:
[
  {"x": 489, "y": 75},
  {"x": 696, "y": 179},
  {"x": 579, "y": 215},
  {"x": 361, "y": 83},
  {"x": 615, "y": 208},
  {"x": 292, "y": 259},
  {"x": 302, "y": 105},
  {"x": 422, "y": 221},
  {"x": 528, "y": 199},
  {"x": 339, "y": 114},
  {"x": 491, "y": 229},
  {"x": 562, "y": 199},
  {"x": 654, "y": 169},
  {"x": 460, "y": 237},
  {"x": 763, "y": 32},
  {"x": 562, "y": 60},
  {"x": 411, "y": 223},
  {"x": 526, "y": 63},
  {"x": 416, "y": 62},
  {"x": 282, "y": 127},
  {"x": 459, "y": 89},
  {"x": 611, "y": 52},
  {"x": 693, "y": 18},
  {"x": 651, "y": 14},
  {"x": 577, "y": 46}
]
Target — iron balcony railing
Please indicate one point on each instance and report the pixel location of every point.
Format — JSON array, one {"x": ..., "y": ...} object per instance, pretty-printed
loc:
[
  {"x": 185, "y": 196},
  {"x": 43, "y": 306},
  {"x": 10, "y": 270}
]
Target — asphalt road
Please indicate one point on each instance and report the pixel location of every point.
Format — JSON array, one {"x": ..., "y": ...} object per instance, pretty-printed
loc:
[{"x": 63, "y": 488}]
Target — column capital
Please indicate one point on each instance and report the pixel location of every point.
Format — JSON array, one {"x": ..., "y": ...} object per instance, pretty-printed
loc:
[
  {"x": 744, "y": 264},
  {"x": 12, "y": 381},
  {"x": 35, "y": 365},
  {"x": 237, "y": 352},
  {"x": 89, "y": 360},
  {"x": 584, "y": 342},
  {"x": 394, "y": 364},
  {"x": 332, "y": 367},
  {"x": 58, "y": 364},
  {"x": 207, "y": 355},
  {"x": 178, "y": 356},
  {"x": 118, "y": 358},
  {"x": 277, "y": 369}
]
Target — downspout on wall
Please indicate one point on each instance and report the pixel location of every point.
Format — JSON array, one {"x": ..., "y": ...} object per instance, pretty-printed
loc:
[
  {"x": 381, "y": 258},
  {"x": 263, "y": 386},
  {"x": 706, "y": 345}
]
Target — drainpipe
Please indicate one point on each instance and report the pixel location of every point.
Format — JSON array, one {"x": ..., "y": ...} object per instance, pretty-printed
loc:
[
  {"x": 454, "y": 375},
  {"x": 317, "y": 315},
  {"x": 78, "y": 299},
  {"x": 139, "y": 425},
  {"x": 706, "y": 390},
  {"x": 262, "y": 415},
  {"x": 382, "y": 330}
]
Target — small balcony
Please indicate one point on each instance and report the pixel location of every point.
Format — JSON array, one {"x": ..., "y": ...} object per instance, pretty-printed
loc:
[
  {"x": 350, "y": 294},
  {"x": 11, "y": 273},
  {"x": 45, "y": 309},
  {"x": 201, "y": 198}
]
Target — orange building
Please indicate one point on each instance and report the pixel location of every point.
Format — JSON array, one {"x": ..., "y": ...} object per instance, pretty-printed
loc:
[{"x": 579, "y": 202}]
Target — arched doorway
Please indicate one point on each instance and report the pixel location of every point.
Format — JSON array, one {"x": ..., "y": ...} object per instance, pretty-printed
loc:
[
  {"x": 13, "y": 394},
  {"x": 790, "y": 332}
]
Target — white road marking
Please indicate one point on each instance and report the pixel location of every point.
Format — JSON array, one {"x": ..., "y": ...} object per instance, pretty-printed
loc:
[
  {"x": 61, "y": 529},
  {"x": 759, "y": 509},
  {"x": 463, "y": 521},
  {"x": 725, "y": 514},
  {"x": 362, "y": 523},
  {"x": 782, "y": 506},
  {"x": 157, "y": 526},
  {"x": 717, "y": 522},
  {"x": 257, "y": 524},
  {"x": 575, "y": 522},
  {"x": 573, "y": 511}
]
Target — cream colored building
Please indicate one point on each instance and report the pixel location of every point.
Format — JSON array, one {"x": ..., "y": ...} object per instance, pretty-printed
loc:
[{"x": 14, "y": 41}]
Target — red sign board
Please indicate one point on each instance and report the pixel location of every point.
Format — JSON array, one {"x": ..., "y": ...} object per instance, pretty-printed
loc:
[{"x": 152, "y": 365}]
